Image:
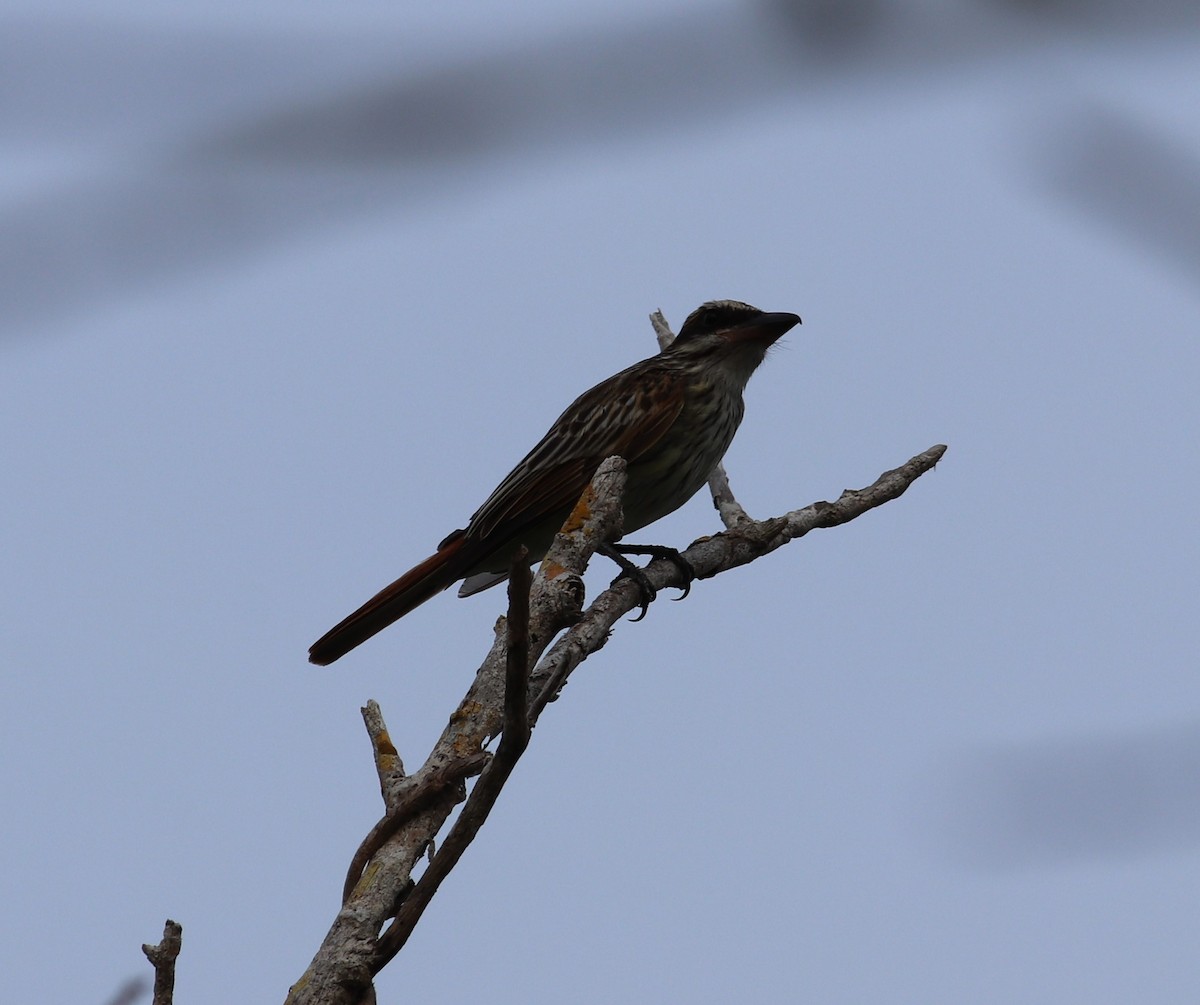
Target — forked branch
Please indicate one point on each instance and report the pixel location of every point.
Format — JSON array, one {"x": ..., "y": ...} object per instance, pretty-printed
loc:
[{"x": 382, "y": 900}]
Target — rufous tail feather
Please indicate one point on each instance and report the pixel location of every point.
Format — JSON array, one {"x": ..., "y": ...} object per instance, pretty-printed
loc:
[{"x": 446, "y": 566}]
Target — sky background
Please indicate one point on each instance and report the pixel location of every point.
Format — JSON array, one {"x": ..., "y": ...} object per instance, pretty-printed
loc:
[{"x": 287, "y": 290}]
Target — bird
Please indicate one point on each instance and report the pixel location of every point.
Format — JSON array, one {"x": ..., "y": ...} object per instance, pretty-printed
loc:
[{"x": 671, "y": 417}]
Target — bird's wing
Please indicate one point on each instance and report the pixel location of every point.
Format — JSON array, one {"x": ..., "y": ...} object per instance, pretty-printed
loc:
[{"x": 625, "y": 416}]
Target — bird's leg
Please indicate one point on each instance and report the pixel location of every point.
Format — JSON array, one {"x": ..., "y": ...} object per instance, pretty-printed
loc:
[{"x": 617, "y": 553}]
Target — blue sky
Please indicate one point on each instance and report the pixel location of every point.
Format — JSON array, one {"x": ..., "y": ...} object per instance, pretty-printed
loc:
[{"x": 287, "y": 300}]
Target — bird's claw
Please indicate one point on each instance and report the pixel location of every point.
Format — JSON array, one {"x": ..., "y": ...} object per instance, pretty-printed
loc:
[
  {"x": 685, "y": 570},
  {"x": 645, "y": 588},
  {"x": 618, "y": 552}
]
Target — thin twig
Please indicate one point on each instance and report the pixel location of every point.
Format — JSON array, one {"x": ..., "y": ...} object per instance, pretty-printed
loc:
[
  {"x": 388, "y": 764},
  {"x": 662, "y": 330},
  {"x": 515, "y": 737},
  {"x": 162, "y": 957},
  {"x": 733, "y": 516}
]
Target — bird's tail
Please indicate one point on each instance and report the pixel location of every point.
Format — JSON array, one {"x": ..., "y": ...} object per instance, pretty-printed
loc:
[{"x": 447, "y": 565}]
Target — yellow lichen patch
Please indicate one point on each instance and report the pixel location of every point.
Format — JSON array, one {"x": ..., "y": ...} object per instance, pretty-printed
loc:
[
  {"x": 367, "y": 877},
  {"x": 464, "y": 746},
  {"x": 581, "y": 512},
  {"x": 552, "y": 569},
  {"x": 467, "y": 710},
  {"x": 300, "y": 985},
  {"x": 384, "y": 746}
]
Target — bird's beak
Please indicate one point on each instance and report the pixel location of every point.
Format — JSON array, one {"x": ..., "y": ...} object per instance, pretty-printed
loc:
[{"x": 765, "y": 328}]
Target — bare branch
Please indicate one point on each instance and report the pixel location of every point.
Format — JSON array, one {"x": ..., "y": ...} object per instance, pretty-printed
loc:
[
  {"x": 855, "y": 502},
  {"x": 478, "y": 806},
  {"x": 353, "y": 952},
  {"x": 515, "y": 738},
  {"x": 405, "y": 801},
  {"x": 710, "y": 556},
  {"x": 162, "y": 957}
]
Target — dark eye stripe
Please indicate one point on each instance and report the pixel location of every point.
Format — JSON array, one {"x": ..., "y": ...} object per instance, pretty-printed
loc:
[{"x": 716, "y": 315}]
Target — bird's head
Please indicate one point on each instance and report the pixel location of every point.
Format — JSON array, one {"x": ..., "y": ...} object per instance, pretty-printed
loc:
[
  {"x": 733, "y": 332},
  {"x": 734, "y": 321}
]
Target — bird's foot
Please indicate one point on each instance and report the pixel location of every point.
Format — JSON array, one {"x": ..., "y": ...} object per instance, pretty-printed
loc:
[
  {"x": 667, "y": 553},
  {"x": 617, "y": 553}
]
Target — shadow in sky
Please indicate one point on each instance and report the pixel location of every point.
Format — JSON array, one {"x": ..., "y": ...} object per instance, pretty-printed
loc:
[
  {"x": 221, "y": 147},
  {"x": 1061, "y": 801},
  {"x": 1129, "y": 177},
  {"x": 132, "y": 991}
]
